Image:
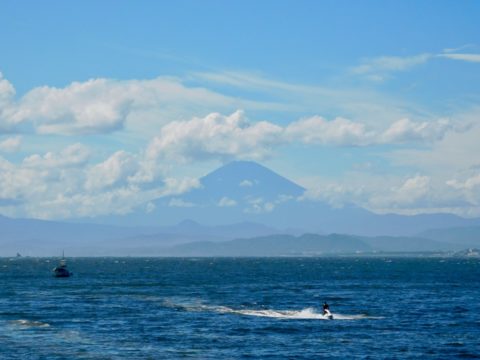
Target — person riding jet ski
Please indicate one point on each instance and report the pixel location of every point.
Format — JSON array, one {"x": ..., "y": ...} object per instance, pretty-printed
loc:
[{"x": 326, "y": 310}]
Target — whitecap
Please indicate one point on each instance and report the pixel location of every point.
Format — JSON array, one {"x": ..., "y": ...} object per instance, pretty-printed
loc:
[{"x": 30, "y": 323}]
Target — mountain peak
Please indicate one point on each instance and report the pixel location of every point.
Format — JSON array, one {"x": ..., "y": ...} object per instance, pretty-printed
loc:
[
  {"x": 239, "y": 180},
  {"x": 189, "y": 224}
]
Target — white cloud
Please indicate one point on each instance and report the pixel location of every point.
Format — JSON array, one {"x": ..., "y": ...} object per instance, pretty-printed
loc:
[
  {"x": 95, "y": 106},
  {"x": 99, "y": 106},
  {"x": 226, "y": 202},
  {"x": 176, "y": 186},
  {"x": 405, "y": 130},
  {"x": 451, "y": 154},
  {"x": 7, "y": 93},
  {"x": 215, "y": 136},
  {"x": 475, "y": 58},
  {"x": 118, "y": 168},
  {"x": 469, "y": 189},
  {"x": 378, "y": 68},
  {"x": 246, "y": 183},
  {"x": 317, "y": 130},
  {"x": 259, "y": 206},
  {"x": 64, "y": 184},
  {"x": 226, "y": 137},
  {"x": 469, "y": 184},
  {"x": 457, "y": 49},
  {"x": 411, "y": 191},
  {"x": 387, "y": 193},
  {"x": 10, "y": 144},
  {"x": 72, "y": 156},
  {"x": 176, "y": 202}
]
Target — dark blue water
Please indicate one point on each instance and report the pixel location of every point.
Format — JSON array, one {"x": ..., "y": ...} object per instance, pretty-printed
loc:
[{"x": 240, "y": 308}]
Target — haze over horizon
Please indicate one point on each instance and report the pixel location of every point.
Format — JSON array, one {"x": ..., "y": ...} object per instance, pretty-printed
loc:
[{"x": 107, "y": 107}]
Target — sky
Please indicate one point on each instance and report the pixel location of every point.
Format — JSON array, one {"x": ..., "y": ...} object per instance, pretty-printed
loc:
[{"x": 105, "y": 105}]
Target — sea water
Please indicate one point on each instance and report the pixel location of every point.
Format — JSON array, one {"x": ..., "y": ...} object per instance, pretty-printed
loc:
[{"x": 229, "y": 308}]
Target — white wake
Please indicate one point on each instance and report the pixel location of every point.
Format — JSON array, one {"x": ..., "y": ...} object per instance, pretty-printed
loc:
[{"x": 304, "y": 314}]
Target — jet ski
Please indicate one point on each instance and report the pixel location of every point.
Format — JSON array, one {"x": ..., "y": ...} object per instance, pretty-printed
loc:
[{"x": 327, "y": 314}]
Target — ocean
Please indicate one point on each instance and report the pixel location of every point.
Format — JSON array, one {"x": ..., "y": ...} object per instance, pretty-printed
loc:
[{"x": 240, "y": 308}]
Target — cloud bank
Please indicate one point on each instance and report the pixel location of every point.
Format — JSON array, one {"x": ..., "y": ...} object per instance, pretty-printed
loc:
[{"x": 175, "y": 125}]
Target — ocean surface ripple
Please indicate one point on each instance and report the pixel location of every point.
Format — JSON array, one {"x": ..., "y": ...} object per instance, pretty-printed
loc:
[{"x": 218, "y": 308}]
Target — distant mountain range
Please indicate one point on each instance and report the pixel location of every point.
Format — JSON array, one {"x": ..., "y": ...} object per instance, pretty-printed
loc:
[
  {"x": 44, "y": 238},
  {"x": 188, "y": 238},
  {"x": 244, "y": 191},
  {"x": 241, "y": 200},
  {"x": 310, "y": 245}
]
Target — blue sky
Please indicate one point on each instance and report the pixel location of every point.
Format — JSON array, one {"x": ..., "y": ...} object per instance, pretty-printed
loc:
[{"x": 105, "y": 105}]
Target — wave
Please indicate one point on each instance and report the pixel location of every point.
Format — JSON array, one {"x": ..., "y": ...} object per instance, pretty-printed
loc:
[{"x": 29, "y": 323}]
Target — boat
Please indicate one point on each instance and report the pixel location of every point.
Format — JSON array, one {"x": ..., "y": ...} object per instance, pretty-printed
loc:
[{"x": 61, "y": 269}]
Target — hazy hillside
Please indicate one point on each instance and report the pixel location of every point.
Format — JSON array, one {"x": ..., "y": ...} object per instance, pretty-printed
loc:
[
  {"x": 408, "y": 244},
  {"x": 46, "y": 238},
  {"x": 275, "y": 245},
  {"x": 308, "y": 245},
  {"x": 469, "y": 235}
]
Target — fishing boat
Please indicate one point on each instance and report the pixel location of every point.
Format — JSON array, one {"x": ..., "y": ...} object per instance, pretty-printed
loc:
[{"x": 61, "y": 269}]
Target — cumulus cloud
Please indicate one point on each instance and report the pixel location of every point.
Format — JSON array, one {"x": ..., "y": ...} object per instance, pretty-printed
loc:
[
  {"x": 449, "y": 155},
  {"x": 7, "y": 93},
  {"x": 215, "y": 136},
  {"x": 68, "y": 176},
  {"x": 226, "y": 137},
  {"x": 259, "y": 206},
  {"x": 468, "y": 184},
  {"x": 411, "y": 190},
  {"x": 10, "y": 144},
  {"x": 95, "y": 106},
  {"x": 388, "y": 193},
  {"x": 469, "y": 188},
  {"x": 100, "y": 106},
  {"x": 405, "y": 130},
  {"x": 246, "y": 183},
  {"x": 120, "y": 167},
  {"x": 317, "y": 130},
  {"x": 72, "y": 156},
  {"x": 344, "y": 132},
  {"x": 226, "y": 202},
  {"x": 64, "y": 183}
]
